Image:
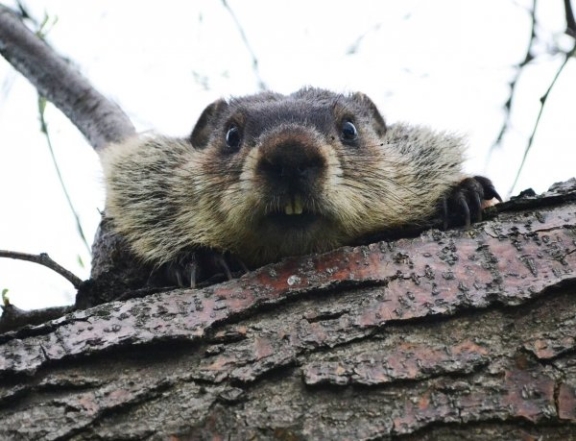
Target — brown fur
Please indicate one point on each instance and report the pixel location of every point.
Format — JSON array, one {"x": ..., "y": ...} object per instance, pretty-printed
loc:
[{"x": 169, "y": 196}]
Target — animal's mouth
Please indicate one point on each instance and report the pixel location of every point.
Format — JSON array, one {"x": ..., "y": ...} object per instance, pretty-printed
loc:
[
  {"x": 293, "y": 215},
  {"x": 294, "y": 206},
  {"x": 286, "y": 221}
]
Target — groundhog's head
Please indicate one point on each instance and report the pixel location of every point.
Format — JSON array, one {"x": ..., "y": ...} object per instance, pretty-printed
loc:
[{"x": 294, "y": 174}]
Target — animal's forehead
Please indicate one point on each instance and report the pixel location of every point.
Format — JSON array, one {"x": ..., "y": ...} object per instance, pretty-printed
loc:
[
  {"x": 260, "y": 112},
  {"x": 279, "y": 102},
  {"x": 288, "y": 111},
  {"x": 295, "y": 108}
]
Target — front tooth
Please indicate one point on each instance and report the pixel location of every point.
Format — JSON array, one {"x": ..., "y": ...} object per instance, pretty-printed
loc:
[
  {"x": 298, "y": 206},
  {"x": 289, "y": 210}
]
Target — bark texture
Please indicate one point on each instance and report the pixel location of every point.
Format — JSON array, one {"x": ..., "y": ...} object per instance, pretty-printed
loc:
[
  {"x": 459, "y": 335},
  {"x": 464, "y": 335}
]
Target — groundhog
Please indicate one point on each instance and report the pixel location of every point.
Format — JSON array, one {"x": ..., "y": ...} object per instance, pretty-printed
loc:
[{"x": 266, "y": 176}]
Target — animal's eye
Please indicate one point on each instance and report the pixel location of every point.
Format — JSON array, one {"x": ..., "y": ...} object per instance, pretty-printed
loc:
[
  {"x": 233, "y": 138},
  {"x": 349, "y": 132}
]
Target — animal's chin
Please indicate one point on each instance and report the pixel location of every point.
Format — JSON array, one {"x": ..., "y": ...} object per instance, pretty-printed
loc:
[{"x": 280, "y": 235}]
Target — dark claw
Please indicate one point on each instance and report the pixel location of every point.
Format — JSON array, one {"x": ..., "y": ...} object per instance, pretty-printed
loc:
[
  {"x": 199, "y": 266},
  {"x": 488, "y": 187},
  {"x": 220, "y": 260},
  {"x": 182, "y": 273},
  {"x": 193, "y": 276},
  {"x": 463, "y": 204},
  {"x": 445, "y": 212},
  {"x": 476, "y": 207}
]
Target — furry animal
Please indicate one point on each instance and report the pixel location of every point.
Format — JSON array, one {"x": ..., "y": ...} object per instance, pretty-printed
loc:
[{"x": 267, "y": 176}]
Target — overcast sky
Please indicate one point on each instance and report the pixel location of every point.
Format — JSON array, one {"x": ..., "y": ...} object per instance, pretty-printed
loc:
[{"x": 445, "y": 63}]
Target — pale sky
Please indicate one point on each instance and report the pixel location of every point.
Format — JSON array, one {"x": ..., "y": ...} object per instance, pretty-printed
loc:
[{"x": 445, "y": 63}]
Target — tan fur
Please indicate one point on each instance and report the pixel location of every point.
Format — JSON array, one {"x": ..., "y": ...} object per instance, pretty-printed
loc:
[{"x": 165, "y": 196}]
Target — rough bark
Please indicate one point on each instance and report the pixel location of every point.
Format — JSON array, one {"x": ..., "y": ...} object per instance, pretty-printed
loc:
[
  {"x": 463, "y": 335},
  {"x": 466, "y": 334}
]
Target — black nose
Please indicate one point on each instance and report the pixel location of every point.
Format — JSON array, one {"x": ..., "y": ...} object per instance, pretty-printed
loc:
[{"x": 291, "y": 162}]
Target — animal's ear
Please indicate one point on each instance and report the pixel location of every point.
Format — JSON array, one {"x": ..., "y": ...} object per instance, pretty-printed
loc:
[
  {"x": 206, "y": 124},
  {"x": 372, "y": 112}
]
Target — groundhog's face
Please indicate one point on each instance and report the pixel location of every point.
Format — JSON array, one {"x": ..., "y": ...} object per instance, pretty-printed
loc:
[
  {"x": 269, "y": 176},
  {"x": 291, "y": 174}
]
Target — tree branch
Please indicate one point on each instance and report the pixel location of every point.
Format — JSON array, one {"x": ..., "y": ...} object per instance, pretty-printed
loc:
[
  {"x": 436, "y": 337},
  {"x": 100, "y": 120},
  {"x": 570, "y": 21},
  {"x": 261, "y": 84},
  {"x": 528, "y": 57},
  {"x": 44, "y": 130},
  {"x": 14, "y": 317},
  {"x": 543, "y": 101},
  {"x": 45, "y": 260}
]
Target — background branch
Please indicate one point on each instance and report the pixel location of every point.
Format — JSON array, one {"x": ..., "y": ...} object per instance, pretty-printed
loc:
[
  {"x": 261, "y": 84},
  {"x": 45, "y": 260},
  {"x": 570, "y": 21},
  {"x": 543, "y": 101},
  {"x": 100, "y": 120},
  {"x": 44, "y": 130},
  {"x": 520, "y": 68},
  {"x": 528, "y": 57}
]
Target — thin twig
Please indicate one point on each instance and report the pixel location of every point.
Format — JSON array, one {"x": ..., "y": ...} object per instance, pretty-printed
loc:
[
  {"x": 543, "y": 101},
  {"x": 45, "y": 260},
  {"x": 528, "y": 57},
  {"x": 261, "y": 84},
  {"x": 44, "y": 130},
  {"x": 355, "y": 46}
]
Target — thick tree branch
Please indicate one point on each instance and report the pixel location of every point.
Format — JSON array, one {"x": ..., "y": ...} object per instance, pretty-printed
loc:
[
  {"x": 100, "y": 120},
  {"x": 470, "y": 331},
  {"x": 435, "y": 275}
]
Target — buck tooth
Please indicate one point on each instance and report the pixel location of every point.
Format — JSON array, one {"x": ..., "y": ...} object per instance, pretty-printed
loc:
[
  {"x": 289, "y": 210},
  {"x": 298, "y": 206}
]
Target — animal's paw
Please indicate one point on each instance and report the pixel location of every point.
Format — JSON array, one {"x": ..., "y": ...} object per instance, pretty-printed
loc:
[
  {"x": 463, "y": 204},
  {"x": 203, "y": 265}
]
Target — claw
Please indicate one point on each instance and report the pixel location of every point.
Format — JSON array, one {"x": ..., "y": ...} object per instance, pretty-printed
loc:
[
  {"x": 445, "y": 212},
  {"x": 464, "y": 204},
  {"x": 179, "y": 280},
  {"x": 466, "y": 209},
  {"x": 245, "y": 269},
  {"x": 477, "y": 207},
  {"x": 488, "y": 187},
  {"x": 193, "y": 276},
  {"x": 221, "y": 261}
]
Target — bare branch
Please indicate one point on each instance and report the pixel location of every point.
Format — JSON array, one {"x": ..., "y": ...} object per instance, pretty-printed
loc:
[
  {"x": 543, "y": 100},
  {"x": 354, "y": 47},
  {"x": 13, "y": 317},
  {"x": 100, "y": 120},
  {"x": 528, "y": 57},
  {"x": 45, "y": 260},
  {"x": 261, "y": 84},
  {"x": 570, "y": 21}
]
